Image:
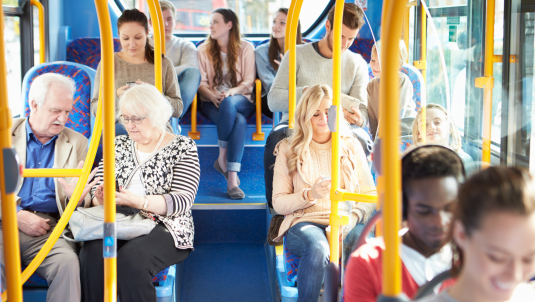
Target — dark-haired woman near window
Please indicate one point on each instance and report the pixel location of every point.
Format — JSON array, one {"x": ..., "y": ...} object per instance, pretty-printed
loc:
[
  {"x": 135, "y": 64},
  {"x": 269, "y": 55},
  {"x": 227, "y": 66}
]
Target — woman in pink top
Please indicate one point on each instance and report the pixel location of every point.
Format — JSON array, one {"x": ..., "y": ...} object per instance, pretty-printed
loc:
[{"x": 227, "y": 66}]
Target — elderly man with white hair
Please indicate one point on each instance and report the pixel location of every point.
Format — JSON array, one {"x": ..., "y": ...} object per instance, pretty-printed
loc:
[{"x": 42, "y": 141}]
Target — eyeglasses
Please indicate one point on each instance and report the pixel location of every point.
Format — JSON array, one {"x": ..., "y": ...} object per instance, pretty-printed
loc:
[{"x": 135, "y": 120}]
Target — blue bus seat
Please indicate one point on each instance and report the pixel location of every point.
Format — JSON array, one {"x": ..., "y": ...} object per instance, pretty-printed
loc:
[
  {"x": 83, "y": 76},
  {"x": 363, "y": 47},
  {"x": 86, "y": 51}
]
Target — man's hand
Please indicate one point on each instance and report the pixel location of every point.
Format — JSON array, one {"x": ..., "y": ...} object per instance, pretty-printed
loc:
[
  {"x": 354, "y": 118},
  {"x": 69, "y": 188},
  {"x": 31, "y": 224}
]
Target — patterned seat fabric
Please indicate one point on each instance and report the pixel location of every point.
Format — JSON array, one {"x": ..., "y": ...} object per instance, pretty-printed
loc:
[
  {"x": 291, "y": 263},
  {"x": 79, "y": 118},
  {"x": 87, "y": 51},
  {"x": 363, "y": 47},
  {"x": 161, "y": 276}
]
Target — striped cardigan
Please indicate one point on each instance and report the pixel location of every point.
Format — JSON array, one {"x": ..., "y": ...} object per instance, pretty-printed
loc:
[{"x": 172, "y": 172}]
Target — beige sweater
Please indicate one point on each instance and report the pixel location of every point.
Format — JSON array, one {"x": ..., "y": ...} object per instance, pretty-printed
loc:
[
  {"x": 288, "y": 190},
  {"x": 405, "y": 100},
  {"x": 127, "y": 72}
]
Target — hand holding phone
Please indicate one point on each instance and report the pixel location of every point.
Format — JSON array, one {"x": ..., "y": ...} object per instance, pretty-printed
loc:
[{"x": 117, "y": 187}]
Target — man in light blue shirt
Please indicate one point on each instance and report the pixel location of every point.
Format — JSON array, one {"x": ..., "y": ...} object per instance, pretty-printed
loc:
[{"x": 42, "y": 141}]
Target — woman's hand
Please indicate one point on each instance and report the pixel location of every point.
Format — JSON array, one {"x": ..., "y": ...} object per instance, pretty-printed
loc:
[
  {"x": 68, "y": 189},
  {"x": 139, "y": 82},
  {"x": 354, "y": 118},
  {"x": 320, "y": 189},
  {"x": 231, "y": 92},
  {"x": 122, "y": 90},
  {"x": 99, "y": 195},
  {"x": 217, "y": 98},
  {"x": 129, "y": 199},
  {"x": 279, "y": 62}
]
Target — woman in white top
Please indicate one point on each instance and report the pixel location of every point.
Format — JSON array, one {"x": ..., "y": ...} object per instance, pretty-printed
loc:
[
  {"x": 158, "y": 173},
  {"x": 493, "y": 233}
]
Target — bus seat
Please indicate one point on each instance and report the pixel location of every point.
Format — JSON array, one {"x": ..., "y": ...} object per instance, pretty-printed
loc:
[
  {"x": 363, "y": 47},
  {"x": 291, "y": 263},
  {"x": 418, "y": 84},
  {"x": 87, "y": 51},
  {"x": 83, "y": 76}
]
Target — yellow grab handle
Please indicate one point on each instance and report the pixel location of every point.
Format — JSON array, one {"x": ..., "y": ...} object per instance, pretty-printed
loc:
[
  {"x": 42, "y": 47},
  {"x": 52, "y": 172},
  {"x": 393, "y": 11},
  {"x": 194, "y": 134},
  {"x": 258, "y": 135},
  {"x": 10, "y": 229},
  {"x": 157, "y": 44},
  {"x": 293, "y": 77}
]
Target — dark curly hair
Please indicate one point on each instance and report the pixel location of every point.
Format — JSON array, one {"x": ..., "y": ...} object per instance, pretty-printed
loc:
[{"x": 428, "y": 161}]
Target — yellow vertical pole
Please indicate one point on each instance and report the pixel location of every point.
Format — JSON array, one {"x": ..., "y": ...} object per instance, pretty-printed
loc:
[
  {"x": 162, "y": 25},
  {"x": 157, "y": 44},
  {"x": 393, "y": 11},
  {"x": 42, "y": 47},
  {"x": 258, "y": 135},
  {"x": 108, "y": 76},
  {"x": 423, "y": 54},
  {"x": 293, "y": 77},
  {"x": 288, "y": 26},
  {"x": 334, "y": 220},
  {"x": 10, "y": 229},
  {"x": 487, "y": 82}
]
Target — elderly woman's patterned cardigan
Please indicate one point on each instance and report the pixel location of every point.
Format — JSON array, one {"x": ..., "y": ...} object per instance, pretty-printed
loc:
[{"x": 173, "y": 172}]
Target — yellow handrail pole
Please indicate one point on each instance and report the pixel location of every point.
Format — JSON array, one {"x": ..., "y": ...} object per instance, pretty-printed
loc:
[
  {"x": 194, "y": 134},
  {"x": 334, "y": 219},
  {"x": 108, "y": 76},
  {"x": 288, "y": 25},
  {"x": 42, "y": 47},
  {"x": 487, "y": 82},
  {"x": 162, "y": 25},
  {"x": 258, "y": 135},
  {"x": 293, "y": 77},
  {"x": 389, "y": 98},
  {"x": 52, "y": 173},
  {"x": 10, "y": 229},
  {"x": 422, "y": 66},
  {"x": 157, "y": 45}
]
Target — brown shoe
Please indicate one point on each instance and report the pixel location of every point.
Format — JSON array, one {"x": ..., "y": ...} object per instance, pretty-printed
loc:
[
  {"x": 225, "y": 174},
  {"x": 235, "y": 193}
]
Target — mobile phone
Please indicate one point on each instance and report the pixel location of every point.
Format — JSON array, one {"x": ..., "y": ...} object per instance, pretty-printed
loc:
[
  {"x": 117, "y": 186},
  {"x": 325, "y": 178},
  {"x": 130, "y": 84}
]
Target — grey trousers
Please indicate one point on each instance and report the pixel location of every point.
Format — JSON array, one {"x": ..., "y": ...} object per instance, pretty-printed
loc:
[{"x": 61, "y": 267}]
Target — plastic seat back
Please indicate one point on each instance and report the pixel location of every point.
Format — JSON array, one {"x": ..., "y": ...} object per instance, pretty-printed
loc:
[
  {"x": 86, "y": 51},
  {"x": 83, "y": 76}
]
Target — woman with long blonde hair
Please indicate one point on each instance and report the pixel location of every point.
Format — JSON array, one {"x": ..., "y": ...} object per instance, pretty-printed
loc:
[
  {"x": 227, "y": 66},
  {"x": 440, "y": 130},
  {"x": 301, "y": 186}
]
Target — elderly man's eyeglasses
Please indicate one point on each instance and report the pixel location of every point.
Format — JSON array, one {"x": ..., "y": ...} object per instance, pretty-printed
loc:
[{"x": 135, "y": 120}]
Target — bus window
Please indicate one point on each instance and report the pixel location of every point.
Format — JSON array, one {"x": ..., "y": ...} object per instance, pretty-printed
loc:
[
  {"x": 443, "y": 3},
  {"x": 13, "y": 60},
  {"x": 193, "y": 16}
]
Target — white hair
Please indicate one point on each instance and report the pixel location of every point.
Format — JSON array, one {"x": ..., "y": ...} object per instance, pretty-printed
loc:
[
  {"x": 41, "y": 85},
  {"x": 145, "y": 100}
]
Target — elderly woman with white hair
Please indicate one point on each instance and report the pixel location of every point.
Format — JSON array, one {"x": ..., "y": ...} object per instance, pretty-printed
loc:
[
  {"x": 158, "y": 173},
  {"x": 301, "y": 191}
]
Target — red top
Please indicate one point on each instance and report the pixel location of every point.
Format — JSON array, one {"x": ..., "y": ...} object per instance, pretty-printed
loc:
[{"x": 364, "y": 275}]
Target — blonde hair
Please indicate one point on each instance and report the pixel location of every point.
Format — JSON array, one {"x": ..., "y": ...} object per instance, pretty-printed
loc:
[
  {"x": 454, "y": 143},
  {"x": 299, "y": 142},
  {"x": 167, "y": 5},
  {"x": 146, "y": 100},
  {"x": 403, "y": 53}
]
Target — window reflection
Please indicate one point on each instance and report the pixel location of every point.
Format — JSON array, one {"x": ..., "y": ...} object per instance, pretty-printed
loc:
[{"x": 12, "y": 55}]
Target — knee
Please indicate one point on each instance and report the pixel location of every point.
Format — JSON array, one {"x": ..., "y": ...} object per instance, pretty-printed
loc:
[
  {"x": 241, "y": 121},
  {"x": 227, "y": 106},
  {"x": 68, "y": 265},
  {"x": 192, "y": 74},
  {"x": 318, "y": 253}
]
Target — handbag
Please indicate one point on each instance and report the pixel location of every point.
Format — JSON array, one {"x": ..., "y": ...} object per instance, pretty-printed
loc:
[
  {"x": 273, "y": 230},
  {"x": 88, "y": 224}
]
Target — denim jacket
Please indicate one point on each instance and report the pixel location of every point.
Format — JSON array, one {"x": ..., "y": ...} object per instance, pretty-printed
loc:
[{"x": 264, "y": 70}]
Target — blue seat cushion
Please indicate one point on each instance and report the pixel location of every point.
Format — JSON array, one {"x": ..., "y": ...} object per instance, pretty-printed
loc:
[{"x": 291, "y": 263}]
